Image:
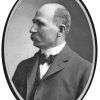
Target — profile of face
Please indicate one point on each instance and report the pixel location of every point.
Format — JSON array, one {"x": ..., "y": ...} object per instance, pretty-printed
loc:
[
  {"x": 50, "y": 24},
  {"x": 44, "y": 31}
]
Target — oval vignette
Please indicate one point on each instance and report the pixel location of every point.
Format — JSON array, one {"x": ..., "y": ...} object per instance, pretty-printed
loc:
[{"x": 94, "y": 39}]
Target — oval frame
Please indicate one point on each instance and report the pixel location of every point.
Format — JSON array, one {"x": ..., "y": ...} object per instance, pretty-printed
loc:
[{"x": 3, "y": 58}]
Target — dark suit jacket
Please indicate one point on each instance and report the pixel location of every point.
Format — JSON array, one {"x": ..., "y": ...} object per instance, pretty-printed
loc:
[{"x": 65, "y": 79}]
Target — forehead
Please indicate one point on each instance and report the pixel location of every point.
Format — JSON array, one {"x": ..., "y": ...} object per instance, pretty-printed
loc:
[{"x": 45, "y": 14}]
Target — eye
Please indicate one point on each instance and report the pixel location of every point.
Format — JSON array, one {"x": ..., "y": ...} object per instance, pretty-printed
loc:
[{"x": 39, "y": 23}]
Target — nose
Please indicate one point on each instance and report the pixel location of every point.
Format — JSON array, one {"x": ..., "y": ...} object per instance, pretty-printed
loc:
[{"x": 33, "y": 29}]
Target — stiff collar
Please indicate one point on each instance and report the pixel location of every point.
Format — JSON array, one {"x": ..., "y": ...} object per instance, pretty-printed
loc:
[{"x": 54, "y": 50}]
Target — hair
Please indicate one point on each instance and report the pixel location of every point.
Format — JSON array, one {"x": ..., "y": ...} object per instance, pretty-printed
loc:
[{"x": 62, "y": 17}]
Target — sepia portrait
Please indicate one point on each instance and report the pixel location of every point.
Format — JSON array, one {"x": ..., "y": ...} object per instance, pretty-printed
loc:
[{"x": 49, "y": 50}]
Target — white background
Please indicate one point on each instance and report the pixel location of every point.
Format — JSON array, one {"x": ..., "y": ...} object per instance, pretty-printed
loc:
[{"x": 94, "y": 9}]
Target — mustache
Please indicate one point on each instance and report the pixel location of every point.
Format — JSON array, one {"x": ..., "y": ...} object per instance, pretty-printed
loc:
[{"x": 34, "y": 38}]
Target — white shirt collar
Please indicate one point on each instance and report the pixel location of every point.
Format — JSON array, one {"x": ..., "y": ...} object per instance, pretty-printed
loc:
[{"x": 54, "y": 50}]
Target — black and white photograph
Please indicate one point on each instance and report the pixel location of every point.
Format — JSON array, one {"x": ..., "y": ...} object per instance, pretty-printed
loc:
[{"x": 49, "y": 50}]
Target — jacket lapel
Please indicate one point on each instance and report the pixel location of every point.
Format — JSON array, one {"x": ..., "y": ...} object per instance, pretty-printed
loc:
[
  {"x": 59, "y": 62},
  {"x": 32, "y": 75}
]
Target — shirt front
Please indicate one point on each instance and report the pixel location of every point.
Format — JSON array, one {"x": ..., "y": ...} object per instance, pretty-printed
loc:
[{"x": 52, "y": 51}]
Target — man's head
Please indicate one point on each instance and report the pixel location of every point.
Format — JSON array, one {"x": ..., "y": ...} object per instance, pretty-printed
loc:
[{"x": 50, "y": 24}]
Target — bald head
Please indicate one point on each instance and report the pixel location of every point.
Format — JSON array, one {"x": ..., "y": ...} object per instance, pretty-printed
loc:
[
  {"x": 50, "y": 8},
  {"x": 58, "y": 14}
]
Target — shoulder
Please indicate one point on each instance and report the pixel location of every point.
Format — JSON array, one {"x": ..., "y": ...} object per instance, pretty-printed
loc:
[
  {"x": 75, "y": 57},
  {"x": 82, "y": 68},
  {"x": 78, "y": 63},
  {"x": 29, "y": 60},
  {"x": 83, "y": 63},
  {"x": 25, "y": 66}
]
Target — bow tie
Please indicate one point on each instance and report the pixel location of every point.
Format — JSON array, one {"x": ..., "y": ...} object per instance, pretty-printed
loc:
[{"x": 48, "y": 60}]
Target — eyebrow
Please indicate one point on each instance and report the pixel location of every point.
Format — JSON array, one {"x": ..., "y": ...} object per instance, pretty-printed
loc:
[{"x": 38, "y": 21}]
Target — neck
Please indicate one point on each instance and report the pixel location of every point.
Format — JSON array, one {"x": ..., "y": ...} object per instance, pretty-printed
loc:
[
  {"x": 58, "y": 42},
  {"x": 54, "y": 50},
  {"x": 61, "y": 42}
]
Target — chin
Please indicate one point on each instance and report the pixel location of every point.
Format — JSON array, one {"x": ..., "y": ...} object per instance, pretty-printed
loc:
[
  {"x": 37, "y": 45},
  {"x": 41, "y": 45}
]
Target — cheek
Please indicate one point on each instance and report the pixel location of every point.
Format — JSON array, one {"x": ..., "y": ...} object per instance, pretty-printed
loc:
[
  {"x": 47, "y": 34},
  {"x": 52, "y": 34}
]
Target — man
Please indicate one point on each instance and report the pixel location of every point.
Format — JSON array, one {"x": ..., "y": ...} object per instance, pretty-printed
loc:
[{"x": 62, "y": 76}]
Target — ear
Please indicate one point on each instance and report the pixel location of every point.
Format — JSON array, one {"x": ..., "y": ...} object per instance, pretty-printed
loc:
[{"x": 62, "y": 29}]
